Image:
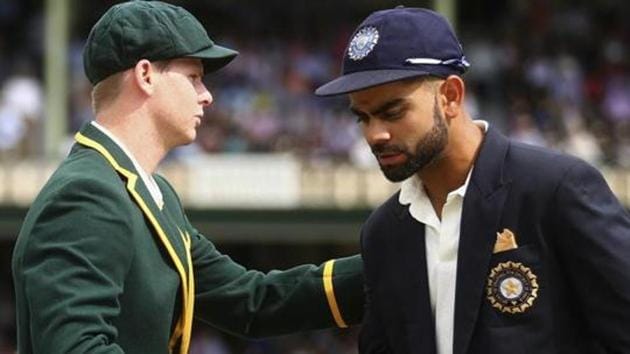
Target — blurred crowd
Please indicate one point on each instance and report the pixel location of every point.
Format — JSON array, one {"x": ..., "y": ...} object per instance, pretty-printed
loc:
[
  {"x": 547, "y": 73},
  {"x": 553, "y": 75}
]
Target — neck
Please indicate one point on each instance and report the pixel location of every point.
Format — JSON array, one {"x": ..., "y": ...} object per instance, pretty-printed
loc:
[
  {"x": 136, "y": 134},
  {"x": 451, "y": 169}
]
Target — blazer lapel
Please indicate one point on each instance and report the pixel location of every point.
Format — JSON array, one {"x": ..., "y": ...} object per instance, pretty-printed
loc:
[
  {"x": 411, "y": 249},
  {"x": 483, "y": 205}
]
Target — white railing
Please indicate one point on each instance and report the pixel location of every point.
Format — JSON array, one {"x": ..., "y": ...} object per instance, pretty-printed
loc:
[{"x": 265, "y": 181}]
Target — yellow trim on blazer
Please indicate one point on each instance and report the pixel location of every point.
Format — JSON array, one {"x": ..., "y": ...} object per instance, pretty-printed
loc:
[
  {"x": 330, "y": 294},
  {"x": 191, "y": 292},
  {"x": 183, "y": 328}
]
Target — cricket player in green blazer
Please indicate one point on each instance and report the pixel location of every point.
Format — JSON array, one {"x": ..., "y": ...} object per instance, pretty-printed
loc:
[{"x": 106, "y": 260}]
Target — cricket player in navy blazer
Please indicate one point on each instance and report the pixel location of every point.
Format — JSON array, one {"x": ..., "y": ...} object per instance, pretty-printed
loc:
[{"x": 490, "y": 246}]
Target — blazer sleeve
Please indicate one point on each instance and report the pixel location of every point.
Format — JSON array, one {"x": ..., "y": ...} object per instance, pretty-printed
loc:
[
  {"x": 254, "y": 304},
  {"x": 72, "y": 270},
  {"x": 594, "y": 243}
]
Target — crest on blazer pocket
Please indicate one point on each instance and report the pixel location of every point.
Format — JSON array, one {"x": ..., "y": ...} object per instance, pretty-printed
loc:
[{"x": 512, "y": 287}]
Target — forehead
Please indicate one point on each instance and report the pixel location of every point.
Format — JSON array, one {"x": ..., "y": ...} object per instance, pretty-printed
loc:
[{"x": 370, "y": 98}]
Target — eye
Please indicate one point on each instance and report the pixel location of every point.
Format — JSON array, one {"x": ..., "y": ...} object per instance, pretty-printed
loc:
[
  {"x": 194, "y": 77},
  {"x": 393, "y": 115},
  {"x": 362, "y": 119}
]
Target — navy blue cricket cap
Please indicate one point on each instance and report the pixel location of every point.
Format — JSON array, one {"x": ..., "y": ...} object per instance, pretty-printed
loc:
[{"x": 396, "y": 44}]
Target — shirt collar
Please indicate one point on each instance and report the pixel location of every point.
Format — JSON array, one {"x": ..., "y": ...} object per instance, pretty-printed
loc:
[
  {"x": 483, "y": 124},
  {"x": 122, "y": 146},
  {"x": 148, "y": 180}
]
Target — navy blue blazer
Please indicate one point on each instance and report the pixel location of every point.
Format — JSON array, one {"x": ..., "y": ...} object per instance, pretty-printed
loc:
[{"x": 572, "y": 262}]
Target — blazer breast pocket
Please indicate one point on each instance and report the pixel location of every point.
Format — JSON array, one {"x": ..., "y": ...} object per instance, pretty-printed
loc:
[
  {"x": 527, "y": 254},
  {"x": 513, "y": 288}
]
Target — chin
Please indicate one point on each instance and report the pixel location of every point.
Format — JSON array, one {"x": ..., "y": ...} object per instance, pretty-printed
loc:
[
  {"x": 191, "y": 136},
  {"x": 396, "y": 174},
  {"x": 399, "y": 173},
  {"x": 186, "y": 140}
]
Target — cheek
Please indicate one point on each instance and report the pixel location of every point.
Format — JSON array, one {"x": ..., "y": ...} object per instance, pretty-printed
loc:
[
  {"x": 418, "y": 124},
  {"x": 186, "y": 89},
  {"x": 363, "y": 131},
  {"x": 409, "y": 135},
  {"x": 181, "y": 89}
]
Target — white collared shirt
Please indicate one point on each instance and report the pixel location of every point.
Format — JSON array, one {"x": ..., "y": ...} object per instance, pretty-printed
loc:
[
  {"x": 148, "y": 179},
  {"x": 441, "y": 244}
]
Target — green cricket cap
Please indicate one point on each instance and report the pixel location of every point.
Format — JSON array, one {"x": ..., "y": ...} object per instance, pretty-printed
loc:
[{"x": 152, "y": 30}]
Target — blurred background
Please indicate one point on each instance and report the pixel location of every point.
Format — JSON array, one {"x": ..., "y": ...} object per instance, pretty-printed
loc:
[{"x": 278, "y": 177}]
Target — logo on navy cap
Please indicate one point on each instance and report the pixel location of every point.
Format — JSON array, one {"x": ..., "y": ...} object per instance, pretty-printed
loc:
[{"x": 362, "y": 43}]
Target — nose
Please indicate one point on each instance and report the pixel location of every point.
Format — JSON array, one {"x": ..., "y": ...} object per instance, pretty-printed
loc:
[
  {"x": 376, "y": 132},
  {"x": 205, "y": 97}
]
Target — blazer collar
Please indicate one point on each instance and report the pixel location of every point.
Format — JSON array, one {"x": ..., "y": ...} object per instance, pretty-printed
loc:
[{"x": 488, "y": 171}]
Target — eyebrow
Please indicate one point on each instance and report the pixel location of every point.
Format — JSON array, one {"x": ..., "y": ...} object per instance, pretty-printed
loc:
[{"x": 382, "y": 108}]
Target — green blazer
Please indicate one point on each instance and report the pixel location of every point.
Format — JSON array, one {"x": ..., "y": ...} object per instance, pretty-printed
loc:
[{"x": 100, "y": 268}]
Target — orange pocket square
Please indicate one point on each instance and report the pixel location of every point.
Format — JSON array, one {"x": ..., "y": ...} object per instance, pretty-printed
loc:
[{"x": 506, "y": 240}]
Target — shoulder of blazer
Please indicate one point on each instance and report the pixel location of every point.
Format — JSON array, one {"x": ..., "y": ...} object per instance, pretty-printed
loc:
[
  {"x": 545, "y": 159},
  {"x": 543, "y": 168},
  {"x": 502, "y": 160},
  {"x": 86, "y": 167},
  {"x": 391, "y": 208},
  {"x": 85, "y": 181},
  {"x": 382, "y": 218}
]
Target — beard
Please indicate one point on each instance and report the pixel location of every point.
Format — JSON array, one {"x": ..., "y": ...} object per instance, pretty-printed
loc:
[{"x": 427, "y": 150}]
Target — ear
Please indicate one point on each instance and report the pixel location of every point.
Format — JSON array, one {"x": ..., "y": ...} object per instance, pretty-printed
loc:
[
  {"x": 144, "y": 75},
  {"x": 452, "y": 91}
]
